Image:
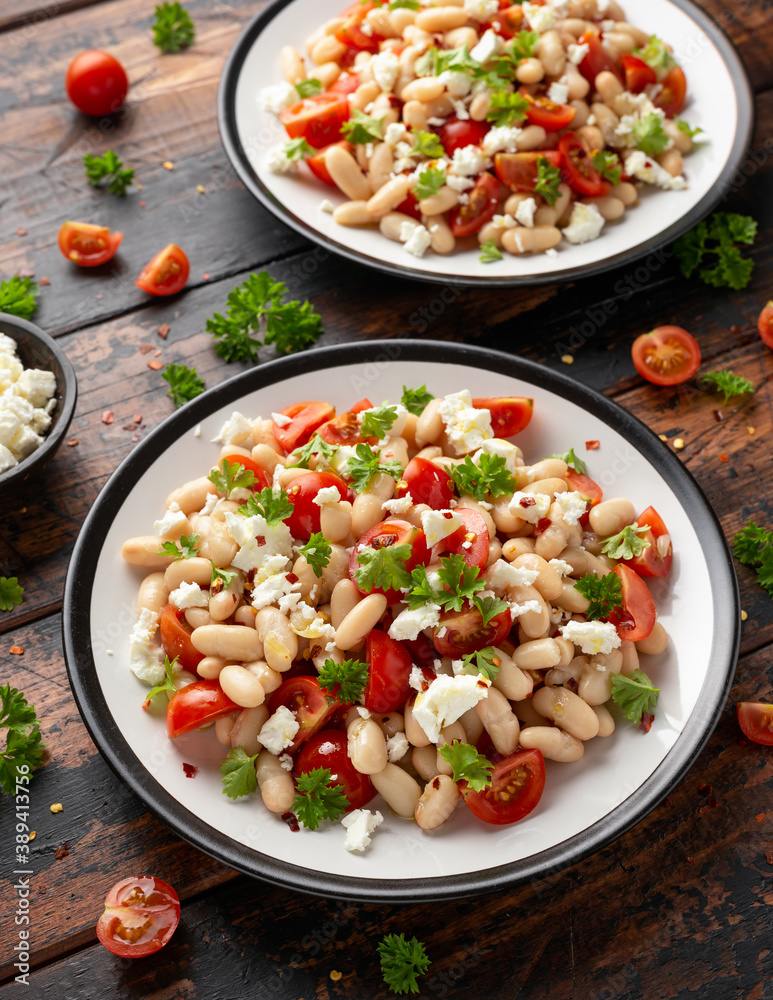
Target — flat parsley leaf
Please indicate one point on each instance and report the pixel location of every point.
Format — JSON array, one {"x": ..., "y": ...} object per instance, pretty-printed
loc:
[
  {"x": 489, "y": 476},
  {"x": 626, "y": 544},
  {"x": 523, "y": 46},
  {"x": 729, "y": 384},
  {"x": 463, "y": 580},
  {"x": 378, "y": 421},
  {"x": 308, "y": 88},
  {"x": 657, "y": 56},
  {"x": 316, "y": 552},
  {"x": 221, "y": 578},
  {"x": 429, "y": 182},
  {"x": 361, "y": 128},
  {"x": 717, "y": 236},
  {"x": 271, "y": 505},
  {"x": 23, "y": 742},
  {"x": 238, "y": 771},
  {"x": 383, "y": 569},
  {"x": 414, "y": 400},
  {"x": 167, "y": 684},
  {"x": 605, "y": 594},
  {"x": 108, "y": 166},
  {"x": 489, "y": 607},
  {"x": 428, "y": 144},
  {"x": 507, "y": 109},
  {"x": 489, "y": 252},
  {"x": 316, "y": 799},
  {"x": 345, "y": 681},
  {"x": 634, "y": 693},
  {"x": 10, "y": 593},
  {"x": 571, "y": 459},
  {"x": 185, "y": 547},
  {"x": 402, "y": 961},
  {"x": 483, "y": 661},
  {"x": 468, "y": 765},
  {"x": 297, "y": 149},
  {"x": 184, "y": 383},
  {"x": 17, "y": 296},
  {"x": 302, "y": 456},
  {"x": 548, "y": 184},
  {"x": 608, "y": 165},
  {"x": 649, "y": 134},
  {"x": 365, "y": 464},
  {"x": 684, "y": 126},
  {"x": 173, "y": 28},
  {"x": 231, "y": 476}
]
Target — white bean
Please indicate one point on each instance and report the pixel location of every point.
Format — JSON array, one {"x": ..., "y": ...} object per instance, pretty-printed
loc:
[
  {"x": 360, "y": 620},
  {"x": 232, "y": 642},
  {"x": 553, "y": 743},
  {"x": 437, "y": 802},
  {"x": 276, "y": 785},
  {"x": 248, "y": 724},
  {"x": 366, "y": 746},
  {"x": 568, "y": 711},
  {"x": 400, "y": 791}
]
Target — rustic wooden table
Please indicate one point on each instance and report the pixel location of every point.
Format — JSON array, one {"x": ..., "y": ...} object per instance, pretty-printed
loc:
[{"x": 678, "y": 907}]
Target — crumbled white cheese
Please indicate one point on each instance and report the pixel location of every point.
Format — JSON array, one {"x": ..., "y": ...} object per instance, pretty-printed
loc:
[
  {"x": 505, "y": 221},
  {"x": 592, "y": 637},
  {"x": 415, "y": 238},
  {"x": 210, "y": 503},
  {"x": 386, "y": 68},
  {"x": 502, "y": 574},
  {"x": 558, "y": 92},
  {"x": 326, "y": 205},
  {"x": 516, "y": 610},
  {"x": 457, "y": 84},
  {"x": 524, "y": 213},
  {"x": 278, "y": 97},
  {"x": 467, "y": 427},
  {"x": 469, "y": 161},
  {"x": 539, "y": 19},
  {"x": 197, "y": 431},
  {"x": 551, "y": 252},
  {"x": 189, "y": 595},
  {"x": 36, "y": 386},
  {"x": 585, "y": 224},
  {"x": 572, "y": 506},
  {"x": 410, "y": 622},
  {"x": 360, "y": 824},
  {"x": 279, "y": 730},
  {"x": 503, "y": 139},
  {"x": 278, "y": 162},
  {"x": 272, "y": 588},
  {"x": 576, "y": 53},
  {"x": 399, "y": 505},
  {"x": 459, "y": 183},
  {"x": 172, "y": 522},
  {"x": 439, "y": 524},
  {"x": 362, "y": 712},
  {"x": 257, "y": 540},
  {"x": 638, "y": 164},
  {"x": 286, "y": 761},
  {"x": 26, "y": 402},
  {"x": 281, "y": 419},
  {"x": 340, "y": 461},
  {"x": 328, "y": 494},
  {"x": 146, "y": 660},
  {"x": 395, "y": 133},
  {"x": 489, "y": 44},
  {"x": 236, "y": 430},
  {"x": 397, "y": 747},
  {"x": 446, "y": 700},
  {"x": 500, "y": 447},
  {"x": 561, "y": 567},
  {"x": 481, "y": 10},
  {"x": 317, "y": 628},
  {"x": 530, "y": 507},
  {"x": 416, "y": 679}
]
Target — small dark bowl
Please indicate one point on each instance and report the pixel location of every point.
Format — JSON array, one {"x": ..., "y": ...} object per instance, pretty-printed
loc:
[{"x": 36, "y": 349}]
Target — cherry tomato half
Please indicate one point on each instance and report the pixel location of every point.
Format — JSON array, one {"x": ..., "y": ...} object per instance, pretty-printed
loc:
[
  {"x": 520, "y": 171},
  {"x": 96, "y": 83},
  {"x": 637, "y": 73},
  {"x": 317, "y": 119},
  {"x": 262, "y": 478},
  {"x": 546, "y": 113},
  {"x": 351, "y": 34},
  {"x": 141, "y": 914},
  {"x": 596, "y": 59},
  {"x": 470, "y": 541},
  {"x": 577, "y": 169},
  {"x": 480, "y": 208},
  {"x": 346, "y": 83},
  {"x": 306, "y": 418},
  {"x": 587, "y": 487},
  {"x": 318, "y": 166},
  {"x": 311, "y": 705},
  {"x": 457, "y": 133},
  {"x": 636, "y": 619},
  {"x": 517, "y": 783},
  {"x": 87, "y": 245},
  {"x": 167, "y": 273},
  {"x": 196, "y": 705},
  {"x": 427, "y": 483},
  {"x": 304, "y": 520},
  {"x": 756, "y": 720},
  {"x": 176, "y": 638},
  {"x": 765, "y": 325},
  {"x": 329, "y": 749},
  {"x": 389, "y": 667},
  {"x": 465, "y": 632},
  {"x": 509, "y": 414},
  {"x": 667, "y": 355},
  {"x": 671, "y": 97},
  {"x": 650, "y": 562},
  {"x": 345, "y": 428},
  {"x": 388, "y": 533}
]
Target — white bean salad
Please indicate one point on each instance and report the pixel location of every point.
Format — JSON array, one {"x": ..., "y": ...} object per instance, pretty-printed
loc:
[
  {"x": 392, "y": 601},
  {"x": 526, "y": 126}
]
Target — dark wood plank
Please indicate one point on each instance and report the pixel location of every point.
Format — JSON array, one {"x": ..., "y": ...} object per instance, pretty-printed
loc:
[
  {"x": 16, "y": 14},
  {"x": 750, "y": 27}
]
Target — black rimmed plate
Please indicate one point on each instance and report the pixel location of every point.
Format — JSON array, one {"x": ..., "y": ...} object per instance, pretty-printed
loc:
[
  {"x": 720, "y": 102},
  {"x": 585, "y": 805}
]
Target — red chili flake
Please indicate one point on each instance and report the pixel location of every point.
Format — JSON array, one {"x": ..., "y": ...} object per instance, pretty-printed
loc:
[
  {"x": 21, "y": 231},
  {"x": 260, "y": 539},
  {"x": 691, "y": 859},
  {"x": 292, "y": 821},
  {"x": 107, "y": 417},
  {"x": 769, "y": 857},
  {"x": 291, "y": 578},
  {"x": 205, "y": 276},
  {"x": 526, "y": 502},
  {"x": 735, "y": 328},
  {"x": 163, "y": 331},
  {"x": 62, "y": 852},
  {"x": 128, "y": 427},
  {"x": 711, "y": 803},
  {"x": 44, "y": 282},
  {"x": 155, "y": 365},
  {"x": 759, "y": 817},
  {"x": 572, "y": 685},
  {"x": 705, "y": 788},
  {"x": 190, "y": 769},
  {"x": 718, "y": 415},
  {"x": 645, "y": 724},
  {"x": 592, "y": 445},
  {"x": 72, "y": 442},
  {"x": 146, "y": 348},
  {"x": 16, "y": 650},
  {"x": 137, "y": 418},
  {"x": 723, "y": 457}
]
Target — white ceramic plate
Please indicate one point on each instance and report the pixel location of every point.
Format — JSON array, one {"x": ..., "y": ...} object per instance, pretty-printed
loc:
[
  {"x": 584, "y": 805},
  {"x": 719, "y": 101}
]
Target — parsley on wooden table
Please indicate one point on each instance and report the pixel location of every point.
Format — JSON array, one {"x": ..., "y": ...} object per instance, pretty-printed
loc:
[
  {"x": 468, "y": 765},
  {"x": 23, "y": 742},
  {"x": 634, "y": 693},
  {"x": 272, "y": 505},
  {"x": 173, "y": 28},
  {"x": 729, "y": 384},
  {"x": 626, "y": 544},
  {"x": 11, "y": 593},
  {"x": 231, "y": 476},
  {"x": 753, "y": 547},
  {"x": 605, "y": 594},
  {"x": 108, "y": 167},
  {"x": 238, "y": 773},
  {"x": 316, "y": 799},
  {"x": 345, "y": 680},
  {"x": 184, "y": 383},
  {"x": 317, "y": 552},
  {"x": 18, "y": 296},
  {"x": 414, "y": 400},
  {"x": 185, "y": 547},
  {"x": 717, "y": 238},
  {"x": 489, "y": 477},
  {"x": 403, "y": 960}
]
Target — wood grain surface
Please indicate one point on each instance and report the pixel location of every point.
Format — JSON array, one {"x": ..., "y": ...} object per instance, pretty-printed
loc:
[{"x": 680, "y": 906}]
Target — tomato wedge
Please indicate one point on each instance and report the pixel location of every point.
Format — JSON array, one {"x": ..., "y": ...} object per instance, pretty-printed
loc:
[
  {"x": 175, "y": 635},
  {"x": 457, "y": 133},
  {"x": 262, "y": 478},
  {"x": 577, "y": 169},
  {"x": 304, "y": 520},
  {"x": 671, "y": 97},
  {"x": 589, "y": 489},
  {"x": 465, "y": 631},
  {"x": 596, "y": 59},
  {"x": 306, "y": 418},
  {"x": 637, "y": 73},
  {"x": 386, "y": 534},
  {"x": 390, "y": 665},
  {"x": 317, "y": 119},
  {"x": 650, "y": 562},
  {"x": 765, "y": 325},
  {"x": 667, "y": 355},
  {"x": 517, "y": 784},
  {"x": 756, "y": 720},
  {"x": 197, "y": 705},
  {"x": 479, "y": 209},
  {"x": 166, "y": 274},
  {"x": 318, "y": 166},
  {"x": 328, "y": 749},
  {"x": 346, "y": 83},
  {"x": 345, "y": 428},
  {"x": 311, "y": 705},
  {"x": 509, "y": 414},
  {"x": 87, "y": 245},
  {"x": 520, "y": 171},
  {"x": 637, "y": 618},
  {"x": 470, "y": 541},
  {"x": 351, "y": 34},
  {"x": 141, "y": 914},
  {"x": 427, "y": 483},
  {"x": 546, "y": 113},
  {"x": 511, "y": 21}
]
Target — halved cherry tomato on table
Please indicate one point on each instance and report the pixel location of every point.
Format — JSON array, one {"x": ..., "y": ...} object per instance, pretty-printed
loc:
[
  {"x": 650, "y": 562},
  {"x": 577, "y": 168},
  {"x": 465, "y": 631},
  {"x": 636, "y": 619},
  {"x": 345, "y": 428},
  {"x": 479, "y": 209},
  {"x": 756, "y": 720},
  {"x": 96, "y": 83},
  {"x": 667, "y": 355},
  {"x": 167, "y": 273},
  {"x": 328, "y": 749},
  {"x": 318, "y": 166},
  {"x": 389, "y": 667},
  {"x": 470, "y": 541},
  {"x": 262, "y": 478},
  {"x": 509, "y": 414},
  {"x": 520, "y": 171},
  {"x": 546, "y": 113},
  {"x": 427, "y": 483},
  {"x": 197, "y": 705},
  {"x": 596, "y": 59},
  {"x": 306, "y": 418},
  {"x": 317, "y": 119},
  {"x": 386, "y": 534},
  {"x": 311, "y": 705},
  {"x": 141, "y": 914},
  {"x": 517, "y": 783},
  {"x": 304, "y": 520},
  {"x": 670, "y": 98},
  {"x": 175, "y": 635},
  {"x": 457, "y": 133},
  {"x": 765, "y": 325},
  {"x": 87, "y": 245},
  {"x": 637, "y": 73}
]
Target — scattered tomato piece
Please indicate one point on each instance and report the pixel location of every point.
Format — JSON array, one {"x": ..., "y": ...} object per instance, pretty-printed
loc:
[
  {"x": 667, "y": 355},
  {"x": 765, "y": 324},
  {"x": 166, "y": 274},
  {"x": 88, "y": 245},
  {"x": 141, "y": 915},
  {"x": 16, "y": 650},
  {"x": 756, "y": 721},
  {"x": 592, "y": 445},
  {"x": 96, "y": 83}
]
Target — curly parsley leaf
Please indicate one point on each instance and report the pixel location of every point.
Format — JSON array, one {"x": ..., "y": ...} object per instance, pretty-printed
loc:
[
  {"x": 167, "y": 684},
  {"x": 23, "y": 742},
  {"x": 316, "y": 799},
  {"x": 256, "y": 305},
  {"x": 429, "y": 182},
  {"x": 185, "y": 547},
  {"x": 571, "y": 459},
  {"x": 548, "y": 184},
  {"x": 489, "y": 252},
  {"x": 231, "y": 476},
  {"x": 17, "y": 296},
  {"x": 605, "y": 594},
  {"x": 308, "y": 88},
  {"x": 427, "y": 144},
  {"x": 483, "y": 661},
  {"x": 436, "y": 61},
  {"x": 626, "y": 544},
  {"x": 608, "y": 165},
  {"x": 489, "y": 476},
  {"x": 273, "y": 506},
  {"x": 753, "y": 547},
  {"x": 365, "y": 464},
  {"x": 108, "y": 166},
  {"x": 345, "y": 681},
  {"x": 383, "y": 569},
  {"x": 732, "y": 270},
  {"x": 468, "y": 765},
  {"x": 523, "y": 45},
  {"x": 414, "y": 400},
  {"x": 649, "y": 135},
  {"x": 184, "y": 383},
  {"x": 634, "y": 693},
  {"x": 403, "y": 960},
  {"x": 316, "y": 552},
  {"x": 297, "y": 149},
  {"x": 238, "y": 773},
  {"x": 463, "y": 581},
  {"x": 302, "y": 456},
  {"x": 173, "y": 28},
  {"x": 11, "y": 593},
  {"x": 716, "y": 237},
  {"x": 362, "y": 128},
  {"x": 507, "y": 109},
  {"x": 489, "y": 607},
  {"x": 378, "y": 421},
  {"x": 729, "y": 384}
]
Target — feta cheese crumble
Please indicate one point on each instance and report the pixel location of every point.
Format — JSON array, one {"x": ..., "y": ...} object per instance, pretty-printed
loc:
[
  {"x": 146, "y": 660},
  {"x": 416, "y": 239},
  {"x": 592, "y": 637},
  {"x": 525, "y": 212},
  {"x": 359, "y": 825},
  {"x": 397, "y": 747},
  {"x": 503, "y": 139},
  {"x": 489, "y": 44},
  {"x": 173, "y": 521},
  {"x": 439, "y": 524},
  {"x": 531, "y": 507},
  {"x": 502, "y": 574},
  {"x": 411, "y": 621},
  {"x": 561, "y": 567},
  {"x": 446, "y": 700},
  {"x": 189, "y": 595},
  {"x": 26, "y": 403},
  {"x": 643, "y": 167},
  {"x": 467, "y": 427},
  {"x": 558, "y": 92},
  {"x": 386, "y": 68},
  {"x": 281, "y": 419},
  {"x": 572, "y": 506},
  {"x": 481, "y": 10},
  {"x": 276, "y": 98},
  {"x": 328, "y": 494},
  {"x": 585, "y": 224},
  {"x": 399, "y": 505},
  {"x": 279, "y": 731},
  {"x": 236, "y": 430},
  {"x": 539, "y": 19},
  {"x": 469, "y": 161}
]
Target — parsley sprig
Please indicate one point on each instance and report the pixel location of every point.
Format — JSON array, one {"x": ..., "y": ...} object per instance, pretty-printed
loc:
[
  {"x": 302, "y": 456},
  {"x": 238, "y": 773},
  {"x": 427, "y": 144},
  {"x": 626, "y": 544},
  {"x": 608, "y": 165},
  {"x": 365, "y": 464},
  {"x": 185, "y": 547},
  {"x": 403, "y": 960},
  {"x": 308, "y": 88},
  {"x": 317, "y": 552},
  {"x": 605, "y": 594},
  {"x": 634, "y": 693},
  {"x": 221, "y": 578},
  {"x": 571, "y": 459},
  {"x": 11, "y": 593},
  {"x": 507, "y": 109},
  {"x": 110, "y": 168},
  {"x": 649, "y": 135},
  {"x": 316, "y": 799},
  {"x": 548, "y": 184},
  {"x": 383, "y": 568},
  {"x": 362, "y": 128},
  {"x": 657, "y": 56},
  {"x": 429, "y": 182},
  {"x": 167, "y": 684},
  {"x": 256, "y": 305},
  {"x": 489, "y": 476},
  {"x": 753, "y": 547},
  {"x": 345, "y": 681},
  {"x": 414, "y": 400},
  {"x": 184, "y": 383},
  {"x": 297, "y": 149},
  {"x": 729, "y": 384},
  {"x": 273, "y": 506},
  {"x": 18, "y": 295},
  {"x": 489, "y": 252},
  {"x": 523, "y": 46},
  {"x": 231, "y": 476},
  {"x": 173, "y": 28},
  {"x": 378, "y": 421},
  {"x": 468, "y": 765},
  {"x": 483, "y": 661},
  {"x": 463, "y": 584},
  {"x": 23, "y": 742},
  {"x": 436, "y": 61},
  {"x": 716, "y": 237}
]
